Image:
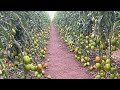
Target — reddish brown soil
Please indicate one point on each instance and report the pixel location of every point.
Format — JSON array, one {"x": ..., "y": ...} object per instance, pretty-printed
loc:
[
  {"x": 116, "y": 55},
  {"x": 61, "y": 64}
]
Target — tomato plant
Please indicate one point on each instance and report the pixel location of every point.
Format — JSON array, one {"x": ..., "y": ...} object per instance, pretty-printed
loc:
[
  {"x": 92, "y": 36},
  {"x": 23, "y": 34}
]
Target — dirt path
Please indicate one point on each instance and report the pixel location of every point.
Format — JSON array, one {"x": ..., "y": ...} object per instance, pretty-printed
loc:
[{"x": 61, "y": 63}]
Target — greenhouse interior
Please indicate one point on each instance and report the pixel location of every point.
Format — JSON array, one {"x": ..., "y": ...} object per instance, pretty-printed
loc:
[{"x": 59, "y": 45}]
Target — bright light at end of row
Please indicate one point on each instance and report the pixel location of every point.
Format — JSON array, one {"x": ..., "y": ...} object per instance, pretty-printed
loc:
[{"x": 51, "y": 14}]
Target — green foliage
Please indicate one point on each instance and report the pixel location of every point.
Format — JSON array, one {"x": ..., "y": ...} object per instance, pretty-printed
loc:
[{"x": 17, "y": 30}]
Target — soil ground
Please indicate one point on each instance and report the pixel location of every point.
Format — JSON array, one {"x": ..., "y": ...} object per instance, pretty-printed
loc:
[{"x": 61, "y": 62}]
